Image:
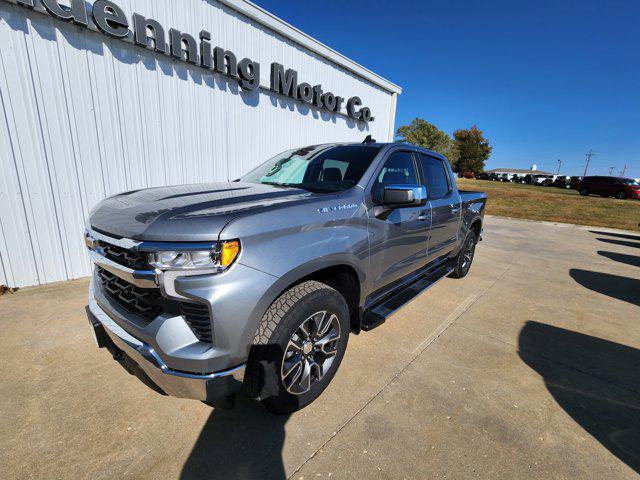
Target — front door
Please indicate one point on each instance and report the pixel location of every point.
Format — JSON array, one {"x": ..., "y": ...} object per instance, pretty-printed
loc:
[
  {"x": 445, "y": 207},
  {"x": 596, "y": 186},
  {"x": 398, "y": 236},
  {"x": 608, "y": 186}
]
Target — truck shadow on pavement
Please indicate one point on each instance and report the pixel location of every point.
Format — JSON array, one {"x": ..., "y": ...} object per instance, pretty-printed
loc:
[
  {"x": 246, "y": 442},
  {"x": 622, "y": 243},
  {"x": 615, "y": 286},
  {"x": 243, "y": 443},
  {"x": 596, "y": 381},
  {"x": 628, "y": 236},
  {"x": 621, "y": 257}
]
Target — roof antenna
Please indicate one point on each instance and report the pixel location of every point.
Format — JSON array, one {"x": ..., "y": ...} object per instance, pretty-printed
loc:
[{"x": 369, "y": 140}]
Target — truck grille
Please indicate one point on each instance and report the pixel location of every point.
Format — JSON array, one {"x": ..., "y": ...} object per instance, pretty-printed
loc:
[
  {"x": 123, "y": 256},
  {"x": 146, "y": 302},
  {"x": 149, "y": 303}
]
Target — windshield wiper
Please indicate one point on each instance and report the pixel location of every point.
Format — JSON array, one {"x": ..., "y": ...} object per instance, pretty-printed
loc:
[{"x": 275, "y": 184}]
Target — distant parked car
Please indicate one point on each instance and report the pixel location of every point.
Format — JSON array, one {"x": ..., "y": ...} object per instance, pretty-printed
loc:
[
  {"x": 547, "y": 182},
  {"x": 483, "y": 176},
  {"x": 513, "y": 178},
  {"x": 574, "y": 181},
  {"x": 527, "y": 179},
  {"x": 468, "y": 175},
  {"x": 539, "y": 179},
  {"x": 561, "y": 181},
  {"x": 609, "y": 187}
]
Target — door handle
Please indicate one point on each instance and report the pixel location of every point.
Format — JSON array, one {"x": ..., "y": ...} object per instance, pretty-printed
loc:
[
  {"x": 455, "y": 209},
  {"x": 422, "y": 216}
]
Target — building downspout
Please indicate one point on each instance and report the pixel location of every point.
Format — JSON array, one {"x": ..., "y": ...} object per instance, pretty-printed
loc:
[{"x": 392, "y": 117}]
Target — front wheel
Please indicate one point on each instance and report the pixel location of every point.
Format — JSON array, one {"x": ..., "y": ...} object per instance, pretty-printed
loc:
[
  {"x": 298, "y": 347},
  {"x": 621, "y": 195},
  {"x": 465, "y": 257},
  {"x": 584, "y": 192}
]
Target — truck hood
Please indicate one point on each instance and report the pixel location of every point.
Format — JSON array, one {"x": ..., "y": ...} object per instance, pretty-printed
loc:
[{"x": 187, "y": 213}]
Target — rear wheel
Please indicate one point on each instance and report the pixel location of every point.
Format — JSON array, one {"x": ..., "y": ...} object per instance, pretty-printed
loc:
[
  {"x": 464, "y": 259},
  {"x": 298, "y": 347},
  {"x": 621, "y": 195},
  {"x": 584, "y": 192}
]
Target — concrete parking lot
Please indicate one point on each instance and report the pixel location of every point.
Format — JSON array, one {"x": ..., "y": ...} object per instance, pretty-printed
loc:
[{"x": 527, "y": 368}]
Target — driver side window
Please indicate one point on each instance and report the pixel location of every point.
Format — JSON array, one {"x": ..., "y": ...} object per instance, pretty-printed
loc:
[{"x": 399, "y": 169}]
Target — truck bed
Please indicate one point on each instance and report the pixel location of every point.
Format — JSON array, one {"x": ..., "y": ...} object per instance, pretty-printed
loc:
[{"x": 468, "y": 196}]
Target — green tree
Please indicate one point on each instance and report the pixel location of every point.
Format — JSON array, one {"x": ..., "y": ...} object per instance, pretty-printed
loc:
[
  {"x": 427, "y": 135},
  {"x": 473, "y": 150}
]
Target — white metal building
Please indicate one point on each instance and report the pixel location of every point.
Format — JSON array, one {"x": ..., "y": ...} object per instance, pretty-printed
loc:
[{"x": 94, "y": 103}]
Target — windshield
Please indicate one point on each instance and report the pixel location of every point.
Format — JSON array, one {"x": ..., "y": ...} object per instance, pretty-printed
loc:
[
  {"x": 630, "y": 181},
  {"x": 319, "y": 168}
]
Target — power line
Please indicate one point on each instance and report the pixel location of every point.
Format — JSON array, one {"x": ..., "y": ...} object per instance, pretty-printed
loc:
[
  {"x": 611, "y": 171},
  {"x": 589, "y": 155},
  {"x": 559, "y": 165},
  {"x": 623, "y": 170}
]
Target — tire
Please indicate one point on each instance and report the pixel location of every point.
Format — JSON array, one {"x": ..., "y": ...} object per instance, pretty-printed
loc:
[
  {"x": 462, "y": 261},
  {"x": 584, "y": 192},
  {"x": 621, "y": 195},
  {"x": 281, "y": 353}
]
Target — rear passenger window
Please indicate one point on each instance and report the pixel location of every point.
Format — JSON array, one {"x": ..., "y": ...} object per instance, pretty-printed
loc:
[{"x": 436, "y": 176}]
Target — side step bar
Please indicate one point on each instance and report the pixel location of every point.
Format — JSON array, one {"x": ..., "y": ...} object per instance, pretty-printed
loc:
[{"x": 378, "y": 314}]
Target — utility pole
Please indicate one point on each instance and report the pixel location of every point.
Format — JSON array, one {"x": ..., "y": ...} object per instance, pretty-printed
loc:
[
  {"x": 559, "y": 165},
  {"x": 623, "y": 170},
  {"x": 611, "y": 171},
  {"x": 589, "y": 155}
]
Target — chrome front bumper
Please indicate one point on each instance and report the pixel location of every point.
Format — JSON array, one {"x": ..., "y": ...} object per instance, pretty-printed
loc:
[{"x": 150, "y": 367}]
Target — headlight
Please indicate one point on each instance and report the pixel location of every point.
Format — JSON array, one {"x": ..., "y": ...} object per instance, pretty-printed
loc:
[{"x": 216, "y": 259}]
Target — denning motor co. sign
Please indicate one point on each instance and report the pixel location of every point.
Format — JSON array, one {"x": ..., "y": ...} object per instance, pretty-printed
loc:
[{"x": 148, "y": 33}]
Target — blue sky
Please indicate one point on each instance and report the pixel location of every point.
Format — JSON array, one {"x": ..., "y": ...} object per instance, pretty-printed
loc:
[{"x": 544, "y": 80}]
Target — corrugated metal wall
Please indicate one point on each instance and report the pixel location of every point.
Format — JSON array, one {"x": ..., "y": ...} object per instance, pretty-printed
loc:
[{"x": 85, "y": 116}]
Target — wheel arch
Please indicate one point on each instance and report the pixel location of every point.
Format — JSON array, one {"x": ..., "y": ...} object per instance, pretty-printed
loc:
[
  {"x": 340, "y": 272},
  {"x": 476, "y": 226}
]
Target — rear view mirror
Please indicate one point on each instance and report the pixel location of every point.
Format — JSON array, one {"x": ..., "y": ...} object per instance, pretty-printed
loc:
[{"x": 401, "y": 195}]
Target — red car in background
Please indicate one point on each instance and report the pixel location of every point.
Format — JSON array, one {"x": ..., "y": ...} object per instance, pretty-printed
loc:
[{"x": 609, "y": 187}]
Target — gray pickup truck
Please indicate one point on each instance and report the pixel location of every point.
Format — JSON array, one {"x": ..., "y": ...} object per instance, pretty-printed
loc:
[{"x": 201, "y": 289}]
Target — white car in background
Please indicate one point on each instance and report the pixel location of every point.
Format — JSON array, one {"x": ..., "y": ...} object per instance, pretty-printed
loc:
[
  {"x": 538, "y": 179},
  {"x": 562, "y": 181}
]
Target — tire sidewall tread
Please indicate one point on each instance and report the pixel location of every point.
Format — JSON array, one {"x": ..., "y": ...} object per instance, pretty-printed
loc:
[
  {"x": 459, "y": 272},
  {"x": 262, "y": 378}
]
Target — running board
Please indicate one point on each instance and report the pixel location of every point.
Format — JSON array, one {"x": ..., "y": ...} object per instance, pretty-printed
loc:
[{"x": 377, "y": 315}]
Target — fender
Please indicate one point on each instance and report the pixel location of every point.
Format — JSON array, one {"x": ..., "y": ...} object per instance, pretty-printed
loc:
[{"x": 304, "y": 270}]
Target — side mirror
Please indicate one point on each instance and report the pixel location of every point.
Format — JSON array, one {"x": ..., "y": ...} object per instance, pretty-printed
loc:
[{"x": 401, "y": 195}]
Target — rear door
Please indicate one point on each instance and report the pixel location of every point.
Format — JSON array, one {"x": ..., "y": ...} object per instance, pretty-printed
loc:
[{"x": 445, "y": 206}]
